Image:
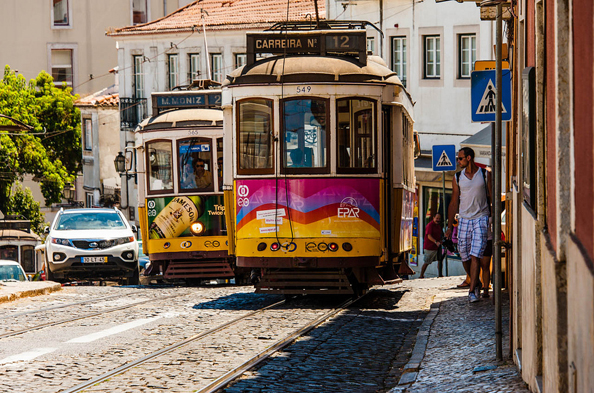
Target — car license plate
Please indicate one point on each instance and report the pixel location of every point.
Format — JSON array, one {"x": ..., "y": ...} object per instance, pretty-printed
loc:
[{"x": 94, "y": 259}]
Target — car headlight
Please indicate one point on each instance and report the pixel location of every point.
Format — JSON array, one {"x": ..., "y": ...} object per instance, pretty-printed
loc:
[
  {"x": 115, "y": 242},
  {"x": 62, "y": 242}
]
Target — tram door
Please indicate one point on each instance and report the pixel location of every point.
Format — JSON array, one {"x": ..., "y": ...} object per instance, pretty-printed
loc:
[{"x": 386, "y": 138}]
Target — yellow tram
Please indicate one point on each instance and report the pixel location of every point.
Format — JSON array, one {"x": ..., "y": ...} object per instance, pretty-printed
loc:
[
  {"x": 321, "y": 192},
  {"x": 181, "y": 205}
]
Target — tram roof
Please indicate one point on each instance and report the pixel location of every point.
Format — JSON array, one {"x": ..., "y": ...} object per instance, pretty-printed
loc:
[
  {"x": 307, "y": 68},
  {"x": 13, "y": 234},
  {"x": 184, "y": 118}
]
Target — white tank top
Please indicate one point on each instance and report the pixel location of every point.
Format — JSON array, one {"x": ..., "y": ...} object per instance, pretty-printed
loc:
[{"x": 473, "y": 196}]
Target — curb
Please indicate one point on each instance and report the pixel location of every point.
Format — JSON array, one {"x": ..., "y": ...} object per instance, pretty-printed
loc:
[
  {"x": 411, "y": 369},
  {"x": 30, "y": 292}
]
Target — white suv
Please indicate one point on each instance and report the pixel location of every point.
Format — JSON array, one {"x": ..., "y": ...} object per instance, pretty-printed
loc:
[{"x": 94, "y": 244}]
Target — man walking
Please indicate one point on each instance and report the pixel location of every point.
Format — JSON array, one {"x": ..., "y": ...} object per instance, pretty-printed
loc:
[
  {"x": 470, "y": 191},
  {"x": 432, "y": 242}
]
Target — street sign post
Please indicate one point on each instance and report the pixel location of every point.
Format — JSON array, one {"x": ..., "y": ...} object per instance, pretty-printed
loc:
[
  {"x": 484, "y": 96},
  {"x": 444, "y": 159}
]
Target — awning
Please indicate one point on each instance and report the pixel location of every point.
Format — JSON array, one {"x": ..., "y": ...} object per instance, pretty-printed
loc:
[{"x": 481, "y": 144}]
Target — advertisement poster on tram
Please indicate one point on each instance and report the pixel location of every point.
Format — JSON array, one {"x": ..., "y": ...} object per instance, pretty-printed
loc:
[
  {"x": 171, "y": 217},
  {"x": 314, "y": 208}
]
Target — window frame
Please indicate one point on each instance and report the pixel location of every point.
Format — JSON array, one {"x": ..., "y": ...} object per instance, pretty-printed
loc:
[
  {"x": 138, "y": 76},
  {"x": 200, "y": 139},
  {"x": 191, "y": 71},
  {"x": 371, "y": 170},
  {"x": 149, "y": 191},
  {"x": 236, "y": 59},
  {"x": 304, "y": 170},
  {"x": 147, "y": 10},
  {"x": 71, "y": 50},
  {"x": 461, "y": 50},
  {"x": 172, "y": 72},
  {"x": 403, "y": 55},
  {"x": 68, "y": 24},
  {"x": 370, "y": 45},
  {"x": 437, "y": 51},
  {"x": 212, "y": 67},
  {"x": 252, "y": 171},
  {"x": 89, "y": 199},
  {"x": 88, "y": 139}
]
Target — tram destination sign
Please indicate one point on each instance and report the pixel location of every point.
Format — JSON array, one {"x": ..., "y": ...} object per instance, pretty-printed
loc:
[
  {"x": 185, "y": 99},
  {"x": 316, "y": 42}
]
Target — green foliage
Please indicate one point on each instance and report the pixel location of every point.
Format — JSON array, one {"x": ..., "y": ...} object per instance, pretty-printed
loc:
[
  {"x": 21, "y": 202},
  {"x": 55, "y": 157}
]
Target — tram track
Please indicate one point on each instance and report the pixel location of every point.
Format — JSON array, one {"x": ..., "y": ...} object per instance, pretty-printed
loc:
[
  {"x": 63, "y": 306},
  {"x": 235, "y": 372},
  {"x": 67, "y": 320}
]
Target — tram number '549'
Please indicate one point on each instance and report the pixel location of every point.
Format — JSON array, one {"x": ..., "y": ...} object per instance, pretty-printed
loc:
[{"x": 303, "y": 89}]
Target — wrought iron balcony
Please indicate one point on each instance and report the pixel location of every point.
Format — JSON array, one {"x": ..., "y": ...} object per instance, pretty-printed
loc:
[{"x": 132, "y": 112}]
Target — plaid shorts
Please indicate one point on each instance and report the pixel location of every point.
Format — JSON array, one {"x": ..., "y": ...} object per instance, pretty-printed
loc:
[{"x": 472, "y": 237}]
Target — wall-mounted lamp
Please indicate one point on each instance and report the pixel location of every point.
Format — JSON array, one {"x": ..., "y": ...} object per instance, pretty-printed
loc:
[{"x": 68, "y": 192}]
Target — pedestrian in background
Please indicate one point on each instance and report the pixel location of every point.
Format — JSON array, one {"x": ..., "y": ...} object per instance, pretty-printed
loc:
[
  {"x": 432, "y": 242},
  {"x": 470, "y": 192}
]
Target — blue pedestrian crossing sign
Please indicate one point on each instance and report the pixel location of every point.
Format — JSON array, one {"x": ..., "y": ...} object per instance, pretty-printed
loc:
[
  {"x": 444, "y": 158},
  {"x": 484, "y": 95}
]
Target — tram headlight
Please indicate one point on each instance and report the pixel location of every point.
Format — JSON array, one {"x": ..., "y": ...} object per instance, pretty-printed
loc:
[
  {"x": 197, "y": 228},
  {"x": 347, "y": 246},
  {"x": 262, "y": 246},
  {"x": 275, "y": 246},
  {"x": 333, "y": 247}
]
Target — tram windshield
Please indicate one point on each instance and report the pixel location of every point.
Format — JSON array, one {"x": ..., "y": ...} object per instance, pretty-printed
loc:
[
  {"x": 304, "y": 133},
  {"x": 159, "y": 166},
  {"x": 195, "y": 164},
  {"x": 255, "y": 152},
  {"x": 357, "y": 134}
]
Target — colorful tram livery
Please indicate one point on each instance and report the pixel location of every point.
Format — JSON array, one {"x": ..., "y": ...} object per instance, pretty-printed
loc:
[
  {"x": 181, "y": 206},
  {"x": 323, "y": 154}
]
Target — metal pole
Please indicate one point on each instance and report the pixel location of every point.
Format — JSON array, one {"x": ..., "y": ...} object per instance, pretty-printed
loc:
[
  {"x": 496, "y": 198},
  {"x": 443, "y": 216}
]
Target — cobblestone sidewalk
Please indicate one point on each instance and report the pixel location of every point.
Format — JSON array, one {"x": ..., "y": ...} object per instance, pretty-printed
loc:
[{"x": 455, "y": 349}]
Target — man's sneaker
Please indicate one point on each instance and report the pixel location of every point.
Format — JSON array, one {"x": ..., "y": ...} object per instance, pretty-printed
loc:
[
  {"x": 477, "y": 292},
  {"x": 472, "y": 297}
]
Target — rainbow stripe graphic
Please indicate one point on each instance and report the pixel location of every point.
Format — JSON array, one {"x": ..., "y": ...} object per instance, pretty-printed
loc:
[{"x": 316, "y": 208}]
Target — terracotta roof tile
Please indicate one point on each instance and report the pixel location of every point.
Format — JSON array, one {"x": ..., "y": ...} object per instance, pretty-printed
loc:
[
  {"x": 109, "y": 100},
  {"x": 228, "y": 15}
]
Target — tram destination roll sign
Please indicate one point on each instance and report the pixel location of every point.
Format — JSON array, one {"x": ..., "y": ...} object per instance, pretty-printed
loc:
[{"x": 306, "y": 43}]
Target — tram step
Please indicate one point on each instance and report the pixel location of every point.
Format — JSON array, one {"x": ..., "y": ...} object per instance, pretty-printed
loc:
[
  {"x": 300, "y": 282},
  {"x": 193, "y": 269}
]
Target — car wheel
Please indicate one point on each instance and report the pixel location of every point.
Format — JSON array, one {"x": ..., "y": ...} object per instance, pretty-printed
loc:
[
  {"x": 135, "y": 279},
  {"x": 49, "y": 275}
]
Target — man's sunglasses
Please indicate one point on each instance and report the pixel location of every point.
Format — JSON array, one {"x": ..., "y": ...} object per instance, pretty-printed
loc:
[
  {"x": 199, "y": 166},
  {"x": 460, "y": 158}
]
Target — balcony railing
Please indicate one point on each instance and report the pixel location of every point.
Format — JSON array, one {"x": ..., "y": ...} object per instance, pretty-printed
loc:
[{"x": 132, "y": 112}]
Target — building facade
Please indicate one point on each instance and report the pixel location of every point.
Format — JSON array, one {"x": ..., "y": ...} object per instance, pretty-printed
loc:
[{"x": 551, "y": 184}]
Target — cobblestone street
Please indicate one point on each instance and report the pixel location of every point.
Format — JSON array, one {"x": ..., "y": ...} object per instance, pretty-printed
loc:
[{"x": 411, "y": 337}]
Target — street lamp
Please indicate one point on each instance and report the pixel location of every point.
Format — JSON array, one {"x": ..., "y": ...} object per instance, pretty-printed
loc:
[
  {"x": 120, "y": 163},
  {"x": 68, "y": 192}
]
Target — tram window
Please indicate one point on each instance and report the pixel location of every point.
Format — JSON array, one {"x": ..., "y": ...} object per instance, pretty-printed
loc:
[
  {"x": 357, "y": 135},
  {"x": 255, "y": 149},
  {"x": 159, "y": 164},
  {"x": 27, "y": 258},
  {"x": 304, "y": 134},
  {"x": 195, "y": 161},
  {"x": 10, "y": 253}
]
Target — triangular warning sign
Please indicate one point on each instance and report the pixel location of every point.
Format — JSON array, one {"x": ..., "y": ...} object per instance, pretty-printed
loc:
[
  {"x": 444, "y": 160},
  {"x": 488, "y": 103}
]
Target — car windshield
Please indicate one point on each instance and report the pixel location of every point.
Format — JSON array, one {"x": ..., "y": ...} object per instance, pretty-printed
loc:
[
  {"x": 11, "y": 272},
  {"x": 90, "y": 220}
]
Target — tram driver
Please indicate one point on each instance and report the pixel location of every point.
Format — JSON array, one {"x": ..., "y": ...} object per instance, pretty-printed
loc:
[{"x": 202, "y": 177}]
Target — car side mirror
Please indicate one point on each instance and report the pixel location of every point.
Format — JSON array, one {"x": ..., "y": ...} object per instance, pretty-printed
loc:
[
  {"x": 134, "y": 228},
  {"x": 46, "y": 230}
]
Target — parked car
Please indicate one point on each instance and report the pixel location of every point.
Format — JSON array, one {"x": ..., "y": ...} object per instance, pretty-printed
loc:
[
  {"x": 91, "y": 244},
  {"x": 11, "y": 271}
]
